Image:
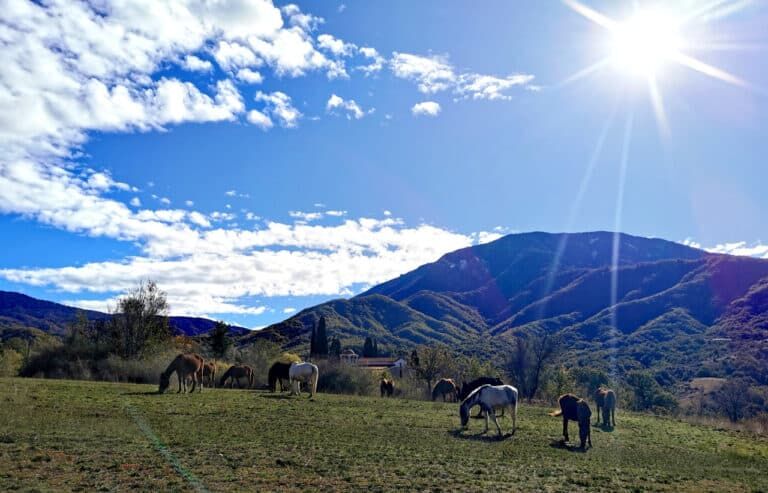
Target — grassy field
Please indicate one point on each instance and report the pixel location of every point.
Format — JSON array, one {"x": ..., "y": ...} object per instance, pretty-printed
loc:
[{"x": 66, "y": 435}]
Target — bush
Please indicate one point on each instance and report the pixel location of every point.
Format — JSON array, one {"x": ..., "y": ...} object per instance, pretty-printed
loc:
[
  {"x": 338, "y": 378},
  {"x": 10, "y": 362}
]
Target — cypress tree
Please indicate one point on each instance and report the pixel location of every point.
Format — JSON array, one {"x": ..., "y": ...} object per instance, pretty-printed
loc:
[
  {"x": 313, "y": 342},
  {"x": 321, "y": 342}
]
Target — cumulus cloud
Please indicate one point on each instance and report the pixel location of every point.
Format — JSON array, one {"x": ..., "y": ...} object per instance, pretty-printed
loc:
[
  {"x": 348, "y": 107},
  {"x": 335, "y": 46},
  {"x": 196, "y": 64},
  {"x": 375, "y": 61},
  {"x": 278, "y": 106},
  {"x": 426, "y": 108},
  {"x": 249, "y": 76},
  {"x": 478, "y": 86}
]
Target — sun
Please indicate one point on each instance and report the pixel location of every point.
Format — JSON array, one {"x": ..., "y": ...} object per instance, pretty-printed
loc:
[{"x": 644, "y": 43}]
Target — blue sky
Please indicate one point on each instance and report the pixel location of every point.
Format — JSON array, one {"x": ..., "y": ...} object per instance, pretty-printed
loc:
[{"x": 256, "y": 159}]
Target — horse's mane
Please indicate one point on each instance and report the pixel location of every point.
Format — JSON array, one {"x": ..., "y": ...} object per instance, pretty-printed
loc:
[{"x": 474, "y": 393}]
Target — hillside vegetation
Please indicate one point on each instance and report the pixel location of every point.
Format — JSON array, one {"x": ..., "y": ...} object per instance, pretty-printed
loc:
[
  {"x": 676, "y": 310},
  {"x": 66, "y": 435}
]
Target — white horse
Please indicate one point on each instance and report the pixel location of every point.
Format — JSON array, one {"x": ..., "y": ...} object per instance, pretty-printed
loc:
[
  {"x": 303, "y": 372},
  {"x": 490, "y": 398}
]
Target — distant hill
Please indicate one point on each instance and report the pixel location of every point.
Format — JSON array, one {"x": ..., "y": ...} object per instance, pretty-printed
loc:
[
  {"x": 675, "y": 307},
  {"x": 21, "y": 313}
]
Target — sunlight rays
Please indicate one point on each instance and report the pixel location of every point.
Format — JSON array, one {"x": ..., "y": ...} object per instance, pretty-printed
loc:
[{"x": 617, "y": 216}]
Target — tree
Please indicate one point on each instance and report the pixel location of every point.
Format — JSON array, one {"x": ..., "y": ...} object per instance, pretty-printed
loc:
[
  {"x": 321, "y": 338},
  {"x": 313, "y": 342},
  {"x": 648, "y": 394},
  {"x": 140, "y": 321},
  {"x": 219, "y": 340},
  {"x": 414, "y": 359},
  {"x": 528, "y": 359},
  {"x": 334, "y": 351},
  {"x": 434, "y": 361},
  {"x": 370, "y": 348},
  {"x": 733, "y": 399}
]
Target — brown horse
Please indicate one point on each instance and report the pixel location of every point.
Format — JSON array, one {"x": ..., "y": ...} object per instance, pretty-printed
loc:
[
  {"x": 209, "y": 373},
  {"x": 278, "y": 373},
  {"x": 605, "y": 400},
  {"x": 186, "y": 366},
  {"x": 446, "y": 386},
  {"x": 574, "y": 409},
  {"x": 237, "y": 372},
  {"x": 387, "y": 387}
]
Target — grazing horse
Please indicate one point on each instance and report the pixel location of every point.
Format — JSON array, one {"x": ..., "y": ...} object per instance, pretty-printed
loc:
[
  {"x": 445, "y": 386},
  {"x": 490, "y": 398},
  {"x": 237, "y": 372},
  {"x": 277, "y": 373},
  {"x": 303, "y": 372},
  {"x": 209, "y": 373},
  {"x": 387, "y": 387},
  {"x": 186, "y": 366},
  {"x": 574, "y": 409},
  {"x": 605, "y": 400},
  {"x": 468, "y": 388}
]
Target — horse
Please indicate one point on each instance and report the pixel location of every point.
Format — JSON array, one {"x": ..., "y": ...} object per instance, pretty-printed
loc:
[
  {"x": 445, "y": 386},
  {"x": 209, "y": 373},
  {"x": 387, "y": 387},
  {"x": 277, "y": 373},
  {"x": 303, "y": 372},
  {"x": 489, "y": 398},
  {"x": 575, "y": 409},
  {"x": 237, "y": 372},
  {"x": 186, "y": 366},
  {"x": 605, "y": 400},
  {"x": 468, "y": 388}
]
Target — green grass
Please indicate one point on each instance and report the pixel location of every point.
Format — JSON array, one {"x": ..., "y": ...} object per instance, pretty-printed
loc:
[{"x": 87, "y": 436}]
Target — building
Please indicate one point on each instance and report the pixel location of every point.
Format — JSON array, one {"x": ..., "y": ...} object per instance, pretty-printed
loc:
[
  {"x": 349, "y": 357},
  {"x": 396, "y": 367}
]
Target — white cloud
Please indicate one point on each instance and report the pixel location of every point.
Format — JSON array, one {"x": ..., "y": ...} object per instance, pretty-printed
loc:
[
  {"x": 432, "y": 74},
  {"x": 306, "y": 216},
  {"x": 135, "y": 202},
  {"x": 199, "y": 219},
  {"x": 230, "y": 193},
  {"x": 435, "y": 73},
  {"x": 233, "y": 55},
  {"x": 189, "y": 203},
  {"x": 288, "y": 310},
  {"x": 278, "y": 105},
  {"x": 249, "y": 76},
  {"x": 335, "y": 46},
  {"x": 259, "y": 119},
  {"x": 348, "y": 106},
  {"x": 478, "y": 86},
  {"x": 341, "y": 8},
  {"x": 335, "y": 213},
  {"x": 376, "y": 61},
  {"x": 296, "y": 17},
  {"x": 196, "y": 64},
  {"x": 165, "y": 200},
  {"x": 387, "y": 213},
  {"x": 740, "y": 248},
  {"x": 426, "y": 108}
]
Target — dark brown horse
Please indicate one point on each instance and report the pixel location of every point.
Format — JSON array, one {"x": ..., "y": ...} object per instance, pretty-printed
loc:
[
  {"x": 186, "y": 366},
  {"x": 605, "y": 400},
  {"x": 445, "y": 387},
  {"x": 278, "y": 373},
  {"x": 468, "y": 388},
  {"x": 387, "y": 387},
  {"x": 237, "y": 372},
  {"x": 574, "y": 409}
]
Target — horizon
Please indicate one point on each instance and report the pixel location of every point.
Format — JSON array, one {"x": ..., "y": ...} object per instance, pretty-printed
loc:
[{"x": 258, "y": 163}]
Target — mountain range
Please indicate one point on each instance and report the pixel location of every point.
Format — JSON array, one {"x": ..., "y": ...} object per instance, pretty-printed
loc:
[
  {"x": 20, "y": 313},
  {"x": 673, "y": 308}
]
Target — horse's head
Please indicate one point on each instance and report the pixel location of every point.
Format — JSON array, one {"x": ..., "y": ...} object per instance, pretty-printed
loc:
[
  {"x": 464, "y": 414},
  {"x": 165, "y": 382}
]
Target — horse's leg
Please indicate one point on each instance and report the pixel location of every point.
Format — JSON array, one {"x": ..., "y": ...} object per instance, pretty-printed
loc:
[
  {"x": 178, "y": 375},
  {"x": 495, "y": 421},
  {"x": 194, "y": 382},
  {"x": 565, "y": 428},
  {"x": 598, "y": 414},
  {"x": 514, "y": 417},
  {"x": 486, "y": 422}
]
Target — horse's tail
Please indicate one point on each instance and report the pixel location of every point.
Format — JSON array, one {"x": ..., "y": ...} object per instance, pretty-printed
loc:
[
  {"x": 250, "y": 378},
  {"x": 315, "y": 378},
  {"x": 559, "y": 412}
]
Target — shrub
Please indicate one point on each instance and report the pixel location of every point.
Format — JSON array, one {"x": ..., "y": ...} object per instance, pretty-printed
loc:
[{"x": 338, "y": 378}]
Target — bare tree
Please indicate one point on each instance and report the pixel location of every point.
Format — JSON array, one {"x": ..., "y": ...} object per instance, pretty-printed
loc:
[
  {"x": 528, "y": 359},
  {"x": 139, "y": 321},
  {"x": 432, "y": 363}
]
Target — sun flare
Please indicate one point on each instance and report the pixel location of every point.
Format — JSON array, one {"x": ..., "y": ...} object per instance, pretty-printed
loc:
[{"x": 647, "y": 41}]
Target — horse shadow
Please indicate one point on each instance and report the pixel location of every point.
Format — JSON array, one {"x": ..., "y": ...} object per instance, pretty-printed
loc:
[
  {"x": 149, "y": 393},
  {"x": 563, "y": 445},
  {"x": 480, "y": 436},
  {"x": 276, "y": 396}
]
